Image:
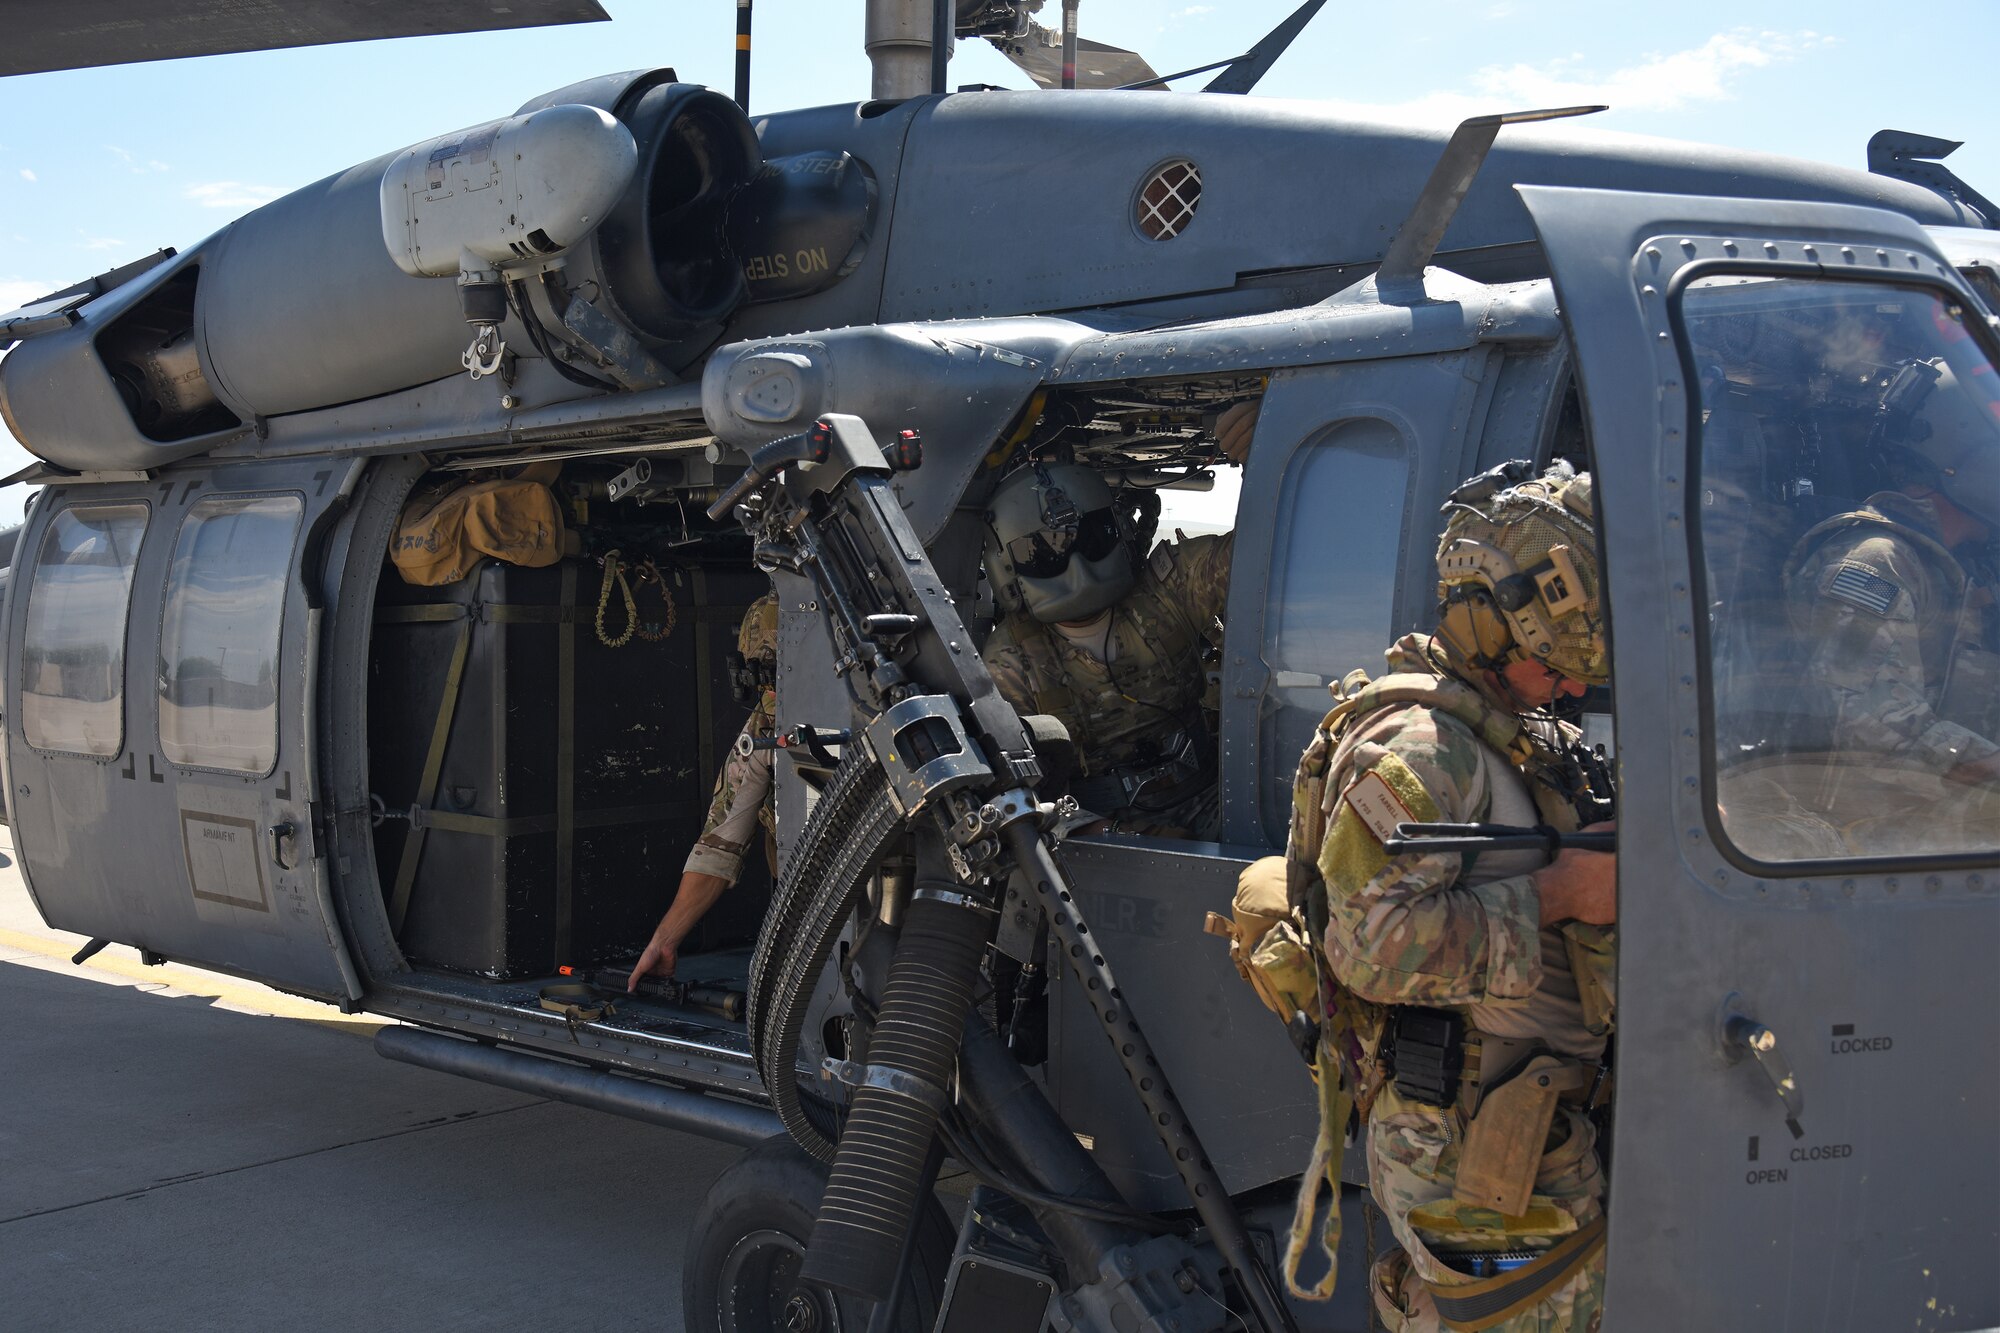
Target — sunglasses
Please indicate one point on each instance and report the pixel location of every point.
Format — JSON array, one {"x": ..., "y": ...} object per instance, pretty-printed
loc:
[{"x": 1043, "y": 554}]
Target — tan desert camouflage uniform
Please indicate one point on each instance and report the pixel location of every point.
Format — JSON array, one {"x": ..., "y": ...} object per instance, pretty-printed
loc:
[
  {"x": 1423, "y": 930},
  {"x": 1121, "y": 715},
  {"x": 742, "y": 799},
  {"x": 1888, "y": 608}
]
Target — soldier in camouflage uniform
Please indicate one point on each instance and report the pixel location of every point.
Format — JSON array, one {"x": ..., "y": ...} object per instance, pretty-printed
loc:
[
  {"x": 1519, "y": 947},
  {"x": 1899, "y": 613},
  {"x": 1112, "y": 647},
  {"x": 740, "y": 807}
]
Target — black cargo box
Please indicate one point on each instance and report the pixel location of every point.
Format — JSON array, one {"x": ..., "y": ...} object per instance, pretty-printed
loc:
[{"x": 572, "y": 776}]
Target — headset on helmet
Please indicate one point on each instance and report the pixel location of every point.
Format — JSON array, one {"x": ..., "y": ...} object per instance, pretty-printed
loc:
[
  {"x": 1517, "y": 572},
  {"x": 1058, "y": 545},
  {"x": 1941, "y": 431}
]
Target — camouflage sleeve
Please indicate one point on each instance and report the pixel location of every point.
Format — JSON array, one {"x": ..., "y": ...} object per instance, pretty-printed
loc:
[
  {"x": 1008, "y": 665},
  {"x": 1401, "y": 929},
  {"x": 1868, "y": 658},
  {"x": 1199, "y": 579},
  {"x": 741, "y": 789}
]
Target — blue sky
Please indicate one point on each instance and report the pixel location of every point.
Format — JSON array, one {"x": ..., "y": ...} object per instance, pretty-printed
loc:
[{"x": 101, "y": 166}]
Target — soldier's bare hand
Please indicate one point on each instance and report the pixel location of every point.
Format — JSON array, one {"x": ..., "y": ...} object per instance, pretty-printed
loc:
[
  {"x": 661, "y": 955},
  {"x": 1580, "y": 885},
  {"x": 1234, "y": 428}
]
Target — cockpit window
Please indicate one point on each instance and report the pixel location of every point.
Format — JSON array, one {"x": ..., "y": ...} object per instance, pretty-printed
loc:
[
  {"x": 219, "y": 636},
  {"x": 1849, "y": 506},
  {"x": 73, "y": 659}
]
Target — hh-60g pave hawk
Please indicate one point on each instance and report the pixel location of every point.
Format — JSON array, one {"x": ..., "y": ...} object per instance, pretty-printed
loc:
[{"x": 803, "y": 353}]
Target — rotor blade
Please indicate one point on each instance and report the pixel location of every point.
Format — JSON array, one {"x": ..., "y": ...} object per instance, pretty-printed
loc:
[
  {"x": 1254, "y": 64},
  {"x": 80, "y": 34},
  {"x": 1038, "y": 54}
]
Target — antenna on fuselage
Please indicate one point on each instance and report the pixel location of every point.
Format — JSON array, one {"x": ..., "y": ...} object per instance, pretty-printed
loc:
[
  {"x": 743, "y": 54},
  {"x": 1417, "y": 240}
]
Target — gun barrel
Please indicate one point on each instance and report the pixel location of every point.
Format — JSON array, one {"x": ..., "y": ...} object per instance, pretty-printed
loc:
[{"x": 1425, "y": 838}]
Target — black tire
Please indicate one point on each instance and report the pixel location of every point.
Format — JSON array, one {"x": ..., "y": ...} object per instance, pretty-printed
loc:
[{"x": 749, "y": 1237}]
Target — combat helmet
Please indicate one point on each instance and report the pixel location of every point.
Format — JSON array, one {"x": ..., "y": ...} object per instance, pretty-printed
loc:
[
  {"x": 1517, "y": 572},
  {"x": 753, "y": 667},
  {"x": 1057, "y": 544}
]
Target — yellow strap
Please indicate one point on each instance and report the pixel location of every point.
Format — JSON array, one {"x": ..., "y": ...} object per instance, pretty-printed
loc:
[
  {"x": 1470, "y": 1307},
  {"x": 1335, "y": 1104},
  {"x": 649, "y": 572},
  {"x": 614, "y": 570}
]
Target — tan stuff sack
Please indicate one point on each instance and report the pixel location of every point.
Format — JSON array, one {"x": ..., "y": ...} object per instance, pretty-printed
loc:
[
  {"x": 443, "y": 533},
  {"x": 1265, "y": 941}
]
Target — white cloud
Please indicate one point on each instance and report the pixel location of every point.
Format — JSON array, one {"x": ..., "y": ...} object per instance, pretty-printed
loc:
[
  {"x": 1193, "y": 10},
  {"x": 1501, "y": 11},
  {"x": 231, "y": 194},
  {"x": 131, "y": 160},
  {"x": 1655, "y": 82},
  {"x": 27, "y": 175},
  {"x": 16, "y": 292},
  {"x": 90, "y": 242}
]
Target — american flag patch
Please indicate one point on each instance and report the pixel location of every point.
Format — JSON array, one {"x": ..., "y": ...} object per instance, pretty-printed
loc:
[{"x": 1864, "y": 588}]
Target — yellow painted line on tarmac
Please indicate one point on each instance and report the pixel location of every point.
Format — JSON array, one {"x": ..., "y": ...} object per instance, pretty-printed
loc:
[{"x": 242, "y": 994}]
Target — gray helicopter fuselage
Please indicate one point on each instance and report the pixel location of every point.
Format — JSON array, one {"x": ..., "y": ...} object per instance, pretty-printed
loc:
[
  {"x": 981, "y": 204},
  {"x": 972, "y": 264}
]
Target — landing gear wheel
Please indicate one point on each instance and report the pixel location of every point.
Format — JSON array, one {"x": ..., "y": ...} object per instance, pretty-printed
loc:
[{"x": 749, "y": 1238}]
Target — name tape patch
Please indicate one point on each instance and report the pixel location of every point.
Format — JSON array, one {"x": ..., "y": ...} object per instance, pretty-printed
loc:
[{"x": 1380, "y": 808}]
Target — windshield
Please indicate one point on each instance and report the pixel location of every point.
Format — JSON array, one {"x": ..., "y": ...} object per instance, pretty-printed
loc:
[{"x": 1849, "y": 503}]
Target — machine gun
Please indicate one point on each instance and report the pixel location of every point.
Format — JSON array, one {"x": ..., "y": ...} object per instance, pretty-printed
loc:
[
  {"x": 961, "y": 768},
  {"x": 1590, "y": 781}
]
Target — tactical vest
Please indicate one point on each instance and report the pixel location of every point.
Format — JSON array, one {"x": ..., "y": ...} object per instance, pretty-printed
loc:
[{"x": 1276, "y": 945}]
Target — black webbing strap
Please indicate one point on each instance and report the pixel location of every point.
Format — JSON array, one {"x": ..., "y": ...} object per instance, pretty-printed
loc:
[
  {"x": 565, "y": 765},
  {"x": 1471, "y": 1307},
  {"x": 704, "y": 688},
  {"x": 454, "y": 678},
  {"x": 487, "y": 826}
]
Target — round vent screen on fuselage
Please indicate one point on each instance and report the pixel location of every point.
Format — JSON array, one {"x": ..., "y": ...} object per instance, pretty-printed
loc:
[{"x": 1167, "y": 201}]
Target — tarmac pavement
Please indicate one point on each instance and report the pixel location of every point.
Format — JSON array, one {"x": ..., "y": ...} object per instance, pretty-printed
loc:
[{"x": 181, "y": 1150}]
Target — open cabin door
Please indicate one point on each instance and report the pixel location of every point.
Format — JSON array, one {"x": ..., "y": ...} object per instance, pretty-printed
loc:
[
  {"x": 1801, "y": 853},
  {"x": 163, "y": 641}
]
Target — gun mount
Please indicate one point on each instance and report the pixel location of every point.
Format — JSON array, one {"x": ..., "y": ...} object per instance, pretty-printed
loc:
[{"x": 947, "y": 759}]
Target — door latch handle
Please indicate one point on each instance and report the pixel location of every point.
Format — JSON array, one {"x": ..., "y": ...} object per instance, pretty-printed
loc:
[
  {"x": 1742, "y": 1034},
  {"x": 284, "y": 844}
]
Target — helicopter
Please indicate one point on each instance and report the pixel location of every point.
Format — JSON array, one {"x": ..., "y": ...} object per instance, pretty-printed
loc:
[{"x": 450, "y": 805}]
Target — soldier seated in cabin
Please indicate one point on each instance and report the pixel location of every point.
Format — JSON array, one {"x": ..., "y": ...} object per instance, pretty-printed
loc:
[{"x": 1111, "y": 643}]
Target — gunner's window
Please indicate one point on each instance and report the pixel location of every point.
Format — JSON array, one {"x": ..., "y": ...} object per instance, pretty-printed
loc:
[
  {"x": 1334, "y": 565},
  {"x": 219, "y": 635},
  {"x": 73, "y": 658},
  {"x": 1848, "y": 509}
]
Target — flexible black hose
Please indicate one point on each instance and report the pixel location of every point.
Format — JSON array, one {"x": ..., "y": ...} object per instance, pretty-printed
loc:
[{"x": 878, "y": 1167}]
